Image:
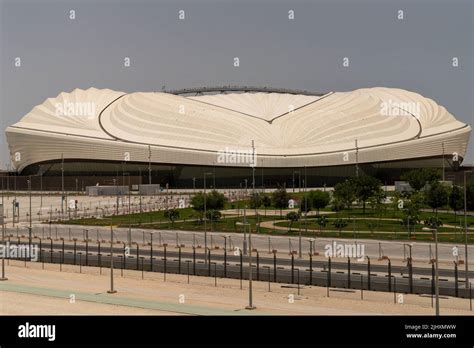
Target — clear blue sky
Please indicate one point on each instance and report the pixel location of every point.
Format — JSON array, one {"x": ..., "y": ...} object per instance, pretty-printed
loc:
[{"x": 59, "y": 54}]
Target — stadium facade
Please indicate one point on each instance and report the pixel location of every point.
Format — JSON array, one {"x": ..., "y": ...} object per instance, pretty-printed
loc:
[{"x": 183, "y": 134}]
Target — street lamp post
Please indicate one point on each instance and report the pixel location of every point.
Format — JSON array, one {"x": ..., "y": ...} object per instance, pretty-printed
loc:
[
  {"x": 465, "y": 231},
  {"x": 436, "y": 271},
  {"x": 2, "y": 217},
  {"x": 129, "y": 212},
  {"x": 111, "y": 291},
  {"x": 250, "y": 305},
  {"x": 299, "y": 180},
  {"x": 149, "y": 165},
  {"x": 205, "y": 217},
  {"x": 30, "y": 224}
]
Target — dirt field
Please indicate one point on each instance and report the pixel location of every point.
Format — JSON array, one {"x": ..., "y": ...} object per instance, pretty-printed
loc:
[{"x": 34, "y": 291}]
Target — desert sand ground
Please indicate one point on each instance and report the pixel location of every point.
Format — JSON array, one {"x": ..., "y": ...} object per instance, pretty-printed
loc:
[{"x": 31, "y": 290}]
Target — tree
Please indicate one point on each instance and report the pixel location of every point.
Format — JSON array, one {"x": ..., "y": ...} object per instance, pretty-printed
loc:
[
  {"x": 418, "y": 178},
  {"x": 366, "y": 187},
  {"x": 456, "y": 199},
  {"x": 337, "y": 204},
  {"x": 437, "y": 196},
  {"x": 306, "y": 202},
  {"x": 255, "y": 200},
  {"x": 292, "y": 217},
  {"x": 411, "y": 211},
  {"x": 197, "y": 202},
  {"x": 213, "y": 215},
  {"x": 339, "y": 224},
  {"x": 376, "y": 201},
  {"x": 319, "y": 199},
  {"x": 215, "y": 200},
  {"x": 267, "y": 202},
  {"x": 172, "y": 215},
  {"x": 470, "y": 194},
  {"x": 322, "y": 221},
  {"x": 344, "y": 193},
  {"x": 280, "y": 198},
  {"x": 433, "y": 222}
]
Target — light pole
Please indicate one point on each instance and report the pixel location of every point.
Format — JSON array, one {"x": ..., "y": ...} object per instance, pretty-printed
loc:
[
  {"x": 62, "y": 186},
  {"x": 251, "y": 306},
  {"x": 465, "y": 230},
  {"x": 357, "y": 158},
  {"x": 41, "y": 190},
  {"x": 2, "y": 211},
  {"x": 129, "y": 212},
  {"x": 253, "y": 183},
  {"x": 149, "y": 164},
  {"x": 299, "y": 180},
  {"x": 436, "y": 271},
  {"x": 205, "y": 217},
  {"x": 111, "y": 291},
  {"x": 116, "y": 194},
  {"x": 30, "y": 227}
]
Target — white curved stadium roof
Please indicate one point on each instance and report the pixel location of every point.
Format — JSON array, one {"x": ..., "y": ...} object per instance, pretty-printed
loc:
[{"x": 289, "y": 130}]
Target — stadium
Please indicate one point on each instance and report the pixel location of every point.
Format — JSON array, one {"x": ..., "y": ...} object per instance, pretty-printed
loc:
[{"x": 175, "y": 137}]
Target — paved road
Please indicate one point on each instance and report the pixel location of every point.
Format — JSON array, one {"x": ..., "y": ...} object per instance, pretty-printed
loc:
[
  {"x": 302, "y": 272},
  {"x": 395, "y": 250}
]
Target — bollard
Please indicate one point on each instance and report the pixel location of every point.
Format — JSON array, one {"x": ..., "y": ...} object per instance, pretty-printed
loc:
[
  {"x": 179, "y": 259},
  {"x": 456, "y": 284},
  {"x": 241, "y": 270},
  {"x": 151, "y": 252},
  {"x": 329, "y": 271},
  {"x": 60, "y": 262},
  {"x": 225, "y": 263},
  {"x": 395, "y": 290},
  {"x": 62, "y": 257},
  {"x": 389, "y": 276},
  {"x": 215, "y": 274},
  {"x": 298, "y": 280},
  {"x": 258, "y": 266},
  {"x": 138, "y": 255},
  {"x": 432, "y": 283},
  {"x": 410, "y": 276},
  {"x": 368, "y": 274},
  {"x": 164, "y": 273},
  {"x": 292, "y": 268},
  {"x": 269, "y": 279},
  {"x": 75, "y": 252},
  {"x": 328, "y": 281},
  {"x": 209, "y": 261},
  {"x": 187, "y": 263},
  {"x": 80, "y": 262},
  {"x": 274, "y": 267},
  {"x": 194, "y": 260},
  {"x": 87, "y": 252}
]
